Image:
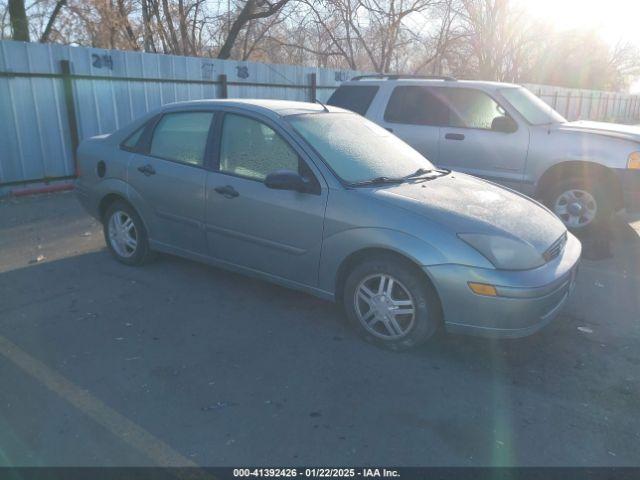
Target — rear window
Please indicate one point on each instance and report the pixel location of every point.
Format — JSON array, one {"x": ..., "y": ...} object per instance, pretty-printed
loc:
[
  {"x": 356, "y": 98},
  {"x": 182, "y": 137},
  {"x": 415, "y": 105}
]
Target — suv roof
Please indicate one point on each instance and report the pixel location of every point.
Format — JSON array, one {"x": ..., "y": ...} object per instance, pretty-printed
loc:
[{"x": 378, "y": 79}]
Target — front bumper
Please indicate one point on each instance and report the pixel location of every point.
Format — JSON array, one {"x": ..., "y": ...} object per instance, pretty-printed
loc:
[
  {"x": 527, "y": 300},
  {"x": 630, "y": 186}
]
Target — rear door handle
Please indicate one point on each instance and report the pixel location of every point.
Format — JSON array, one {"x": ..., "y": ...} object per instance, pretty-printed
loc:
[
  {"x": 147, "y": 169},
  {"x": 454, "y": 136},
  {"x": 227, "y": 191}
]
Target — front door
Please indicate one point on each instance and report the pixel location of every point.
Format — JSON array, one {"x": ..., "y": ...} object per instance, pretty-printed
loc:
[
  {"x": 169, "y": 179},
  {"x": 470, "y": 141},
  {"x": 414, "y": 114},
  {"x": 278, "y": 232}
]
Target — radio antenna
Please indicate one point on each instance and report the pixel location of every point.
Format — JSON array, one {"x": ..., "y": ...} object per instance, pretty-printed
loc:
[{"x": 323, "y": 105}]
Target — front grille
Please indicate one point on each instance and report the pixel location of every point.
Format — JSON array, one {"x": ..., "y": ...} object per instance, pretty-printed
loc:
[{"x": 556, "y": 248}]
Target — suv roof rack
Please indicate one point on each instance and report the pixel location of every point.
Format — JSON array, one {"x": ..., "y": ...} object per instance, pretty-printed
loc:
[{"x": 388, "y": 76}]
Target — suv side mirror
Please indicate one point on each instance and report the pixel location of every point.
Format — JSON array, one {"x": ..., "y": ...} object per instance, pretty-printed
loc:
[
  {"x": 504, "y": 124},
  {"x": 286, "y": 180}
]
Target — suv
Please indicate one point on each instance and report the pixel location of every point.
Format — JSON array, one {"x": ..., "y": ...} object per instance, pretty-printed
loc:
[{"x": 583, "y": 171}]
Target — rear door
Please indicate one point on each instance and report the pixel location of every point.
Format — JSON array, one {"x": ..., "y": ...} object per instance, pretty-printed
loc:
[
  {"x": 168, "y": 174},
  {"x": 469, "y": 143},
  {"x": 414, "y": 114},
  {"x": 278, "y": 232}
]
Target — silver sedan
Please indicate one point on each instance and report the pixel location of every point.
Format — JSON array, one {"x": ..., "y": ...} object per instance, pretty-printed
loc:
[{"x": 322, "y": 200}]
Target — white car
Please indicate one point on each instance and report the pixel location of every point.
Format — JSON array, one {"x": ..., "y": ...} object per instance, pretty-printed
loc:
[{"x": 583, "y": 171}]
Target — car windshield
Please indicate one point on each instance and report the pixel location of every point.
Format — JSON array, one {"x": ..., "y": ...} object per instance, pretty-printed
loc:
[
  {"x": 534, "y": 110},
  {"x": 358, "y": 150}
]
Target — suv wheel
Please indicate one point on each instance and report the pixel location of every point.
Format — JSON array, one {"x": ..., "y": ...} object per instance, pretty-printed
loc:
[
  {"x": 581, "y": 204},
  {"x": 125, "y": 234},
  {"x": 391, "y": 304}
]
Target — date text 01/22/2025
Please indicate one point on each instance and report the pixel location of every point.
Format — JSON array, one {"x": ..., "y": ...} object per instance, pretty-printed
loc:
[{"x": 316, "y": 472}]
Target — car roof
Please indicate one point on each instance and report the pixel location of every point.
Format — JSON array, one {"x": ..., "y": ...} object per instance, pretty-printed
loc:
[
  {"x": 280, "y": 108},
  {"x": 435, "y": 82}
]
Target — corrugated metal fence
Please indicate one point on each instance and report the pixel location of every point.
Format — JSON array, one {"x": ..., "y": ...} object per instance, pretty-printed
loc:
[
  {"x": 47, "y": 89},
  {"x": 44, "y": 86}
]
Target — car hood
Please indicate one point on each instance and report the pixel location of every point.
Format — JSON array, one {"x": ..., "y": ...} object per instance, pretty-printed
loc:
[
  {"x": 613, "y": 130},
  {"x": 466, "y": 204}
]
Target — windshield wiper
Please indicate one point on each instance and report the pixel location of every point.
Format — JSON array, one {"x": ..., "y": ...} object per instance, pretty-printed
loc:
[
  {"x": 379, "y": 181},
  {"x": 418, "y": 172}
]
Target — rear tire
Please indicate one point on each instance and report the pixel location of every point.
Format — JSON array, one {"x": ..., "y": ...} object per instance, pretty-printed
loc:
[
  {"x": 125, "y": 234},
  {"x": 391, "y": 304},
  {"x": 581, "y": 203}
]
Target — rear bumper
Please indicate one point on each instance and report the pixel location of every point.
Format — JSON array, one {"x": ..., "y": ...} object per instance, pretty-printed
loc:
[
  {"x": 630, "y": 185},
  {"x": 88, "y": 202},
  {"x": 526, "y": 302}
]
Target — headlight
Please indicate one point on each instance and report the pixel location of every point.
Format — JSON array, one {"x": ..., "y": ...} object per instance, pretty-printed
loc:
[
  {"x": 503, "y": 252},
  {"x": 633, "y": 162}
]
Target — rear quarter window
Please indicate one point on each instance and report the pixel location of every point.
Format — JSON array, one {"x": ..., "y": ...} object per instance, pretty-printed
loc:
[{"x": 356, "y": 98}]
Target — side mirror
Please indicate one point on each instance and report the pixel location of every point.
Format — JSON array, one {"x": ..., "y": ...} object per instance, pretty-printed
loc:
[
  {"x": 504, "y": 124},
  {"x": 286, "y": 180}
]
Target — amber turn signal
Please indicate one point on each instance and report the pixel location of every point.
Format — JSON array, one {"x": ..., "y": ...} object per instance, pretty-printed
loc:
[
  {"x": 483, "y": 289},
  {"x": 633, "y": 162}
]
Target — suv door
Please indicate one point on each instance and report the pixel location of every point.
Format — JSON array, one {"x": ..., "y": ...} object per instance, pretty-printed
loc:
[
  {"x": 278, "y": 232},
  {"x": 474, "y": 138},
  {"x": 168, "y": 173},
  {"x": 415, "y": 114}
]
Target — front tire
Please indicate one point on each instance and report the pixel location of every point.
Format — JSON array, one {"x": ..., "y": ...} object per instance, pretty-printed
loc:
[
  {"x": 391, "y": 304},
  {"x": 581, "y": 203},
  {"x": 125, "y": 234}
]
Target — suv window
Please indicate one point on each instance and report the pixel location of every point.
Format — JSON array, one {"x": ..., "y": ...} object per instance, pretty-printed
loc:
[
  {"x": 354, "y": 98},
  {"x": 251, "y": 149},
  {"x": 182, "y": 137},
  {"x": 471, "y": 108},
  {"x": 415, "y": 105}
]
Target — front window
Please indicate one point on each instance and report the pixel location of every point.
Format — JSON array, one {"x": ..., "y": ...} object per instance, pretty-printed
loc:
[
  {"x": 471, "y": 108},
  {"x": 356, "y": 149},
  {"x": 534, "y": 110},
  {"x": 251, "y": 149}
]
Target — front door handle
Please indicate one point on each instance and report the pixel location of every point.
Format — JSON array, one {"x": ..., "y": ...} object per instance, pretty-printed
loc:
[
  {"x": 147, "y": 169},
  {"x": 389, "y": 129},
  {"x": 454, "y": 136},
  {"x": 227, "y": 191}
]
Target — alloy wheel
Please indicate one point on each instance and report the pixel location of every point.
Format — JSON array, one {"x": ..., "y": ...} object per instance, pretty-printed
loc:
[
  {"x": 123, "y": 236},
  {"x": 384, "y": 306}
]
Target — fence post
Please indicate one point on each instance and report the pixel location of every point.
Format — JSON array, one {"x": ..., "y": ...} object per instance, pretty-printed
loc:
[
  {"x": 313, "y": 87},
  {"x": 580, "y": 105},
  {"x": 72, "y": 119},
  {"x": 566, "y": 110},
  {"x": 224, "y": 92},
  {"x": 555, "y": 99}
]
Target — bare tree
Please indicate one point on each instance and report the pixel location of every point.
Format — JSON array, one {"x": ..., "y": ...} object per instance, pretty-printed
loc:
[
  {"x": 52, "y": 19},
  {"x": 251, "y": 10},
  {"x": 19, "y": 21}
]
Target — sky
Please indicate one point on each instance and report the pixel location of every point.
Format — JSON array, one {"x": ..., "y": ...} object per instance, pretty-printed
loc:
[{"x": 615, "y": 19}]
